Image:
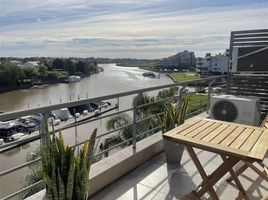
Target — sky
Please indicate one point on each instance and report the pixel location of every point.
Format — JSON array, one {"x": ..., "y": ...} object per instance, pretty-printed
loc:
[{"x": 124, "y": 28}]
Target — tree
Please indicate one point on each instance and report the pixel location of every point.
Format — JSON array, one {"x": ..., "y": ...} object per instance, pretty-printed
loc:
[
  {"x": 42, "y": 72},
  {"x": 10, "y": 75},
  {"x": 80, "y": 66},
  {"x": 70, "y": 67},
  {"x": 58, "y": 64},
  {"x": 30, "y": 72}
]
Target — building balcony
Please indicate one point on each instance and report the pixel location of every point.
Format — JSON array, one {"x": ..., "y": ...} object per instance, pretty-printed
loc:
[
  {"x": 140, "y": 171},
  {"x": 145, "y": 174},
  {"x": 156, "y": 180}
]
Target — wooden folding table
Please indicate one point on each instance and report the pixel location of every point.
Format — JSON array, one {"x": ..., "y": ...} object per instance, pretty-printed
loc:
[{"x": 233, "y": 142}]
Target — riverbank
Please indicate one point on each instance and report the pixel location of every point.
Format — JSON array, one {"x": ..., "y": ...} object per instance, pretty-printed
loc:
[
  {"x": 28, "y": 86},
  {"x": 38, "y": 84}
]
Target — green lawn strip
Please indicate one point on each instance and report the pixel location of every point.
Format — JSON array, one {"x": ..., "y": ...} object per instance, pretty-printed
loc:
[
  {"x": 184, "y": 76},
  {"x": 195, "y": 102}
]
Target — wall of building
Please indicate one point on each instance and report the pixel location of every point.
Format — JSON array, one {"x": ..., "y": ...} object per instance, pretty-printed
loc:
[{"x": 217, "y": 64}]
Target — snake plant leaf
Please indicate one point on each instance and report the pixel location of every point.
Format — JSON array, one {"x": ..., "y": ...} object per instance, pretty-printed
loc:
[
  {"x": 70, "y": 181},
  {"x": 54, "y": 182},
  {"x": 90, "y": 150},
  {"x": 85, "y": 179},
  {"x": 61, "y": 190}
]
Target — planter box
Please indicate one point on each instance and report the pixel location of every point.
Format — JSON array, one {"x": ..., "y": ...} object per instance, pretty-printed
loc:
[{"x": 173, "y": 151}]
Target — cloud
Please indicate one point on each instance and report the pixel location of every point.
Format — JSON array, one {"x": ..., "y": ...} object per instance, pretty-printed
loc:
[{"x": 142, "y": 29}]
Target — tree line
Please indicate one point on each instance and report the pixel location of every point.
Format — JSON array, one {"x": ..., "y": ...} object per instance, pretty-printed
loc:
[{"x": 12, "y": 75}]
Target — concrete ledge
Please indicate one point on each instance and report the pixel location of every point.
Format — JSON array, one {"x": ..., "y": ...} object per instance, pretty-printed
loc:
[
  {"x": 115, "y": 166},
  {"x": 118, "y": 164}
]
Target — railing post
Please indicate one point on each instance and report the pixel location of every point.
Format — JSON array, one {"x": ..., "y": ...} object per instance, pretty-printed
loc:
[
  {"x": 42, "y": 128},
  {"x": 181, "y": 90},
  {"x": 209, "y": 94},
  {"x": 135, "y": 116},
  {"x": 117, "y": 104}
]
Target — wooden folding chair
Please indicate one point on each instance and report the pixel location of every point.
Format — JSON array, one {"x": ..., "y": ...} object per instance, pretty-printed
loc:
[{"x": 264, "y": 173}]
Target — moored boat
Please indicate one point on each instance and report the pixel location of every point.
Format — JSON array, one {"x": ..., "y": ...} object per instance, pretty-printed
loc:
[{"x": 73, "y": 79}]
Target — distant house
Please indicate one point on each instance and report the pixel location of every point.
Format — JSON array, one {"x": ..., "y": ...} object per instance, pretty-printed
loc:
[
  {"x": 16, "y": 62},
  {"x": 182, "y": 60},
  {"x": 31, "y": 64},
  {"x": 28, "y": 64},
  {"x": 212, "y": 65}
]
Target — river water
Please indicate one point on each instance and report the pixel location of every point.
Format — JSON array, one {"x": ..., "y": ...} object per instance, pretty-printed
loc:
[{"x": 113, "y": 80}]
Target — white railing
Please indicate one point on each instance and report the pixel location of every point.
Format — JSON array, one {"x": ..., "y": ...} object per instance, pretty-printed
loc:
[{"x": 47, "y": 109}]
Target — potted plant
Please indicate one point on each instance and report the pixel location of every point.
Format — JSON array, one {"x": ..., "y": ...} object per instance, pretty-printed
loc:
[
  {"x": 172, "y": 118},
  {"x": 65, "y": 171}
]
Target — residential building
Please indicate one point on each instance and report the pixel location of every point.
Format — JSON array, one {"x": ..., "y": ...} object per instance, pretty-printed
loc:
[
  {"x": 182, "y": 60},
  {"x": 212, "y": 65}
]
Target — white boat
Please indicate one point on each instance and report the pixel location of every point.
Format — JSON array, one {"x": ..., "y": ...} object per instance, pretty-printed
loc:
[
  {"x": 17, "y": 136},
  {"x": 73, "y": 79},
  {"x": 62, "y": 114},
  {"x": 85, "y": 112}
]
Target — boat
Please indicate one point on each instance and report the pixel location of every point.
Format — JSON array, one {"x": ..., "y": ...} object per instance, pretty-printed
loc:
[
  {"x": 17, "y": 136},
  {"x": 27, "y": 124},
  {"x": 73, "y": 79},
  {"x": 62, "y": 114},
  {"x": 149, "y": 74}
]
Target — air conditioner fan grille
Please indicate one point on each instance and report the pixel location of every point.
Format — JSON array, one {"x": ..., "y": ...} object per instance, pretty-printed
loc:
[{"x": 225, "y": 111}]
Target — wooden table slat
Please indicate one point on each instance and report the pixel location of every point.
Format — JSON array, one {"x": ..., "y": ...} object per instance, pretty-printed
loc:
[
  {"x": 232, "y": 123},
  {"x": 216, "y": 132},
  {"x": 223, "y": 134},
  {"x": 184, "y": 126},
  {"x": 199, "y": 129},
  {"x": 242, "y": 138},
  {"x": 260, "y": 147},
  {"x": 207, "y": 131},
  {"x": 227, "y": 141},
  {"x": 191, "y": 128},
  {"x": 252, "y": 139}
]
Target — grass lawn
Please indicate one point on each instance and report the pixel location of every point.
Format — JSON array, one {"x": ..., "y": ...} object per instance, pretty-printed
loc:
[
  {"x": 195, "y": 102},
  {"x": 184, "y": 76}
]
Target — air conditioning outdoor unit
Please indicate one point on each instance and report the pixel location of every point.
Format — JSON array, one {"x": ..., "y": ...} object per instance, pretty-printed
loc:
[{"x": 238, "y": 109}]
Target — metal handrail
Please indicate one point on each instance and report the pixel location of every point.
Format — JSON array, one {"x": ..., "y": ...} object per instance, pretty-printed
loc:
[
  {"x": 45, "y": 109},
  {"x": 6, "y": 116},
  {"x": 22, "y": 190}
]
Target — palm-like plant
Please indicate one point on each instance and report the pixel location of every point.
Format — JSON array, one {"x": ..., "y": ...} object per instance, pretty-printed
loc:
[
  {"x": 124, "y": 119},
  {"x": 35, "y": 173},
  {"x": 118, "y": 121}
]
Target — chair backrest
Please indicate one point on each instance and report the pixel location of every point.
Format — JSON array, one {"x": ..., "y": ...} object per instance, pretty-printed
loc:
[{"x": 264, "y": 123}]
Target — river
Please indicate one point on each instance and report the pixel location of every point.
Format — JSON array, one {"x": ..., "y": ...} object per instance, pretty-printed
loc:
[{"x": 113, "y": 80}]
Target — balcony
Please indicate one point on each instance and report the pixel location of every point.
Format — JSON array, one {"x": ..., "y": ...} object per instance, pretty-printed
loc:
[
  {"x": 156, "y": 180},
  {"x": 140, "y": 171}
]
